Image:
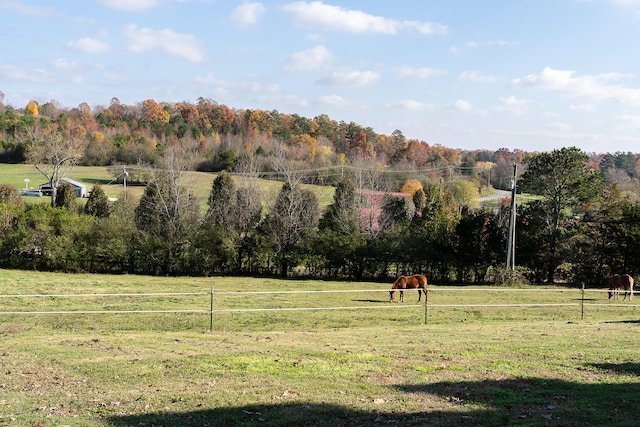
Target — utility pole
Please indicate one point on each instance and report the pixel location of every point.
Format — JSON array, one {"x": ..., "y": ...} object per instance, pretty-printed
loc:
[
  {"x": 125, "y": 174},
  {"x": 511, "y": 236}
]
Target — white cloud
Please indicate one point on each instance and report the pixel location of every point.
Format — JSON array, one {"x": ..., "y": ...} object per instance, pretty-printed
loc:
[
  {"x": 311, "y": 59},
  {"x": 247, "y": 14},
  {"x": 130, "y": 5},
  {"x": 589, "y": 86},
  {"x": 421, "y": 73},
  {"x": 211, "y": 80},
  {"x": 628, "y": 121},
  {"x": 17, "y": 72},
  {"x": 292, "y": 100},
  {"x": 116, "y": 76},
  {"x": 350, "y": 78},
  {"x": 477, "y": 77},
  {"x": 183, "y": 46},
  {"x": 409, "y": 105},
  {"x": 28, "y": 10},
  {"x": 338, "y": 102},
  {"x": 558, "y": 126},
  {"x": 513, "y": 105},
  {"x": 586, "y": 108},
  {"x": 89, "y": 45},
  {"x": 64, "y": 64},
  {"x": 316, "y": 14},
  {"x": 626, "y": 2},
  {"x": 333, "y": 100},
  {"x": 463, "y": 105}
]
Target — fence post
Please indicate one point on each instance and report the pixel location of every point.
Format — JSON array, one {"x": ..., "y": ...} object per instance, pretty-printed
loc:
[
  {"x": 582, "y": 304},
  {"x": 426, "y": 307},
  {"x": 211, "y": 312}
]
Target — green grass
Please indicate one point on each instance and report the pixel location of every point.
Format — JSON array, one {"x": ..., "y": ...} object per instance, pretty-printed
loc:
[
  {"x": 200, "y": 182},
  {"x": 485, "y": 366}
]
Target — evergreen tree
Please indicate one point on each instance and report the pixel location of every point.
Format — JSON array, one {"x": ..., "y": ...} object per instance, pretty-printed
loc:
[
  {"x": 66, "y": 197},
  {"x": 221, "y": 200},
  {"x": 98, "y": 203},
  {"x": 566, "y": 185}
]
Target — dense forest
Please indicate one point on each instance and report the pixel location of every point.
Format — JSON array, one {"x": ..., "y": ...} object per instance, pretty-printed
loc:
[{"x": 400, "y": 205}]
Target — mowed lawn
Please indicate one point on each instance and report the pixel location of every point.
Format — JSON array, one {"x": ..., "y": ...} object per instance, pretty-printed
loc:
[
  {"x": 198, "y": 182},
  {"x": 148, "y": 351}
]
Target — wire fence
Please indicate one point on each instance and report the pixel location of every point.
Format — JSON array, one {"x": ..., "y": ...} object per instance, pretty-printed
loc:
[{"x": 577, "y": 299}]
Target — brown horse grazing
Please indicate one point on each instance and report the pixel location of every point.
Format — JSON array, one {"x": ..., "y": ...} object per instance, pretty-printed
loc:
[
  {"x": 624, "y": 282},
  {"x": 417, "y": 281}
]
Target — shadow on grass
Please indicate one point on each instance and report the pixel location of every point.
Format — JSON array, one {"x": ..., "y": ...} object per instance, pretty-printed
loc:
[
  {"x": 541, "y": 401},
  {"x": 530, "y": 401},
  {"x": 276, "y": 415},
  {"x": 637, "y": 321},
  {"x": 620, "y": 368},
  {"x": 372, "y": 300},
  {"x": 95, "y": 181}
]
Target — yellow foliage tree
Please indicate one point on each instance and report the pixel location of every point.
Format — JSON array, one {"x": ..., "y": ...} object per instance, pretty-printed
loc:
[
  {"x": 323, "y": 155},
  {"x": 32, "y": 108},
  {"x": 98, "y": 137},
  {"x": 411, "y": 186},
  {"x": 466, "y": 193}
]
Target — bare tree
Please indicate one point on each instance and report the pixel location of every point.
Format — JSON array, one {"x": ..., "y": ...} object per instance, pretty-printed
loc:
[{"x": 55, "y": 157}]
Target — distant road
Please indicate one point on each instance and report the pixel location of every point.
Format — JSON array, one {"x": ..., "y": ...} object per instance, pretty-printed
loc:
[{"x": 498, "y": 194}]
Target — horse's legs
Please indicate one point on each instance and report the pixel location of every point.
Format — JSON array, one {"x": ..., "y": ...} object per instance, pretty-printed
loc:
[
  {"x": 401, "y": 296},
  {"x": 419, "y": 294}
]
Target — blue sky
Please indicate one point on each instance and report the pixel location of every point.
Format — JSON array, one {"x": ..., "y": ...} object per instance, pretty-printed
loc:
[{"x": 468, "y": 74}]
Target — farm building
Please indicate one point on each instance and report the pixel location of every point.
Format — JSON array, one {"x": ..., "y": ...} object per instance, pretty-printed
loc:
[{"x": 78, "y": 187}]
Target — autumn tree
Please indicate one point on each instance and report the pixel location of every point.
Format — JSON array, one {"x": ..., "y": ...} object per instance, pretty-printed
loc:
[
  {"x": 411, "y": 186},
  {"x": 32, "y": 108},
  {"x": 465, "y": 193}
]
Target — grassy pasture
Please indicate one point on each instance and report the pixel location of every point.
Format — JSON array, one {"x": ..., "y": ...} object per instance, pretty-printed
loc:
[
  {"x": 481, "y": 365},
  {"x": 199, "y": 182}
]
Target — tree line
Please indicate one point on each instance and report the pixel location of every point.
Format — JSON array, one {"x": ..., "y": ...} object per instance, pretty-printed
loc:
[
  {"x": 399, "y": 206},
  {"x": 578, "y": 229}
]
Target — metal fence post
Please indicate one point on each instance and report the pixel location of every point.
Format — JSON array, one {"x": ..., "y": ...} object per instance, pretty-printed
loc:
[
  {"x": 582, "y": 304},
  {"x": 426, "y": 307},
  {"x": 211, "y": 312}
]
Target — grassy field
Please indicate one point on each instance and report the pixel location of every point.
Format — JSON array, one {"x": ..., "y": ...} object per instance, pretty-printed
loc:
[
  {"x": 199, "y": 182},
  {"x": 478, "y": 365}
]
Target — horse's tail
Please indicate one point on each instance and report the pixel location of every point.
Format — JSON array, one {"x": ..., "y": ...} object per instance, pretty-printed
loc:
[{"x": 424, "y": 284}]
